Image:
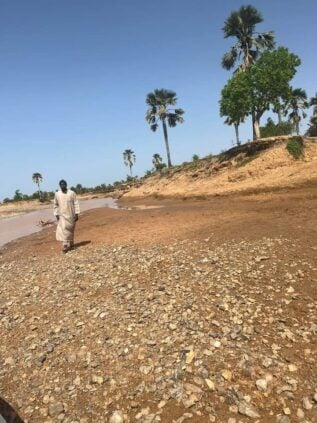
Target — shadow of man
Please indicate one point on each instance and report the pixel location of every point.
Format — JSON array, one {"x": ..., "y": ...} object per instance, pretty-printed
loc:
[
  {"x": 81, "y": 244},
  {"x": 7, "y": 413}
]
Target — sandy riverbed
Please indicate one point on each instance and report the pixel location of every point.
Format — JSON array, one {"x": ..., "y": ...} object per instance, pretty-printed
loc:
[{"x": 199, "y": 311}]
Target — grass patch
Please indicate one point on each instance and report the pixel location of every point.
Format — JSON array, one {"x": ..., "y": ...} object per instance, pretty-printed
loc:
[
  {"x": 246, "y": 160},
  {"x": 295, "y": 147},
  {"x": 223, "y": 156}
]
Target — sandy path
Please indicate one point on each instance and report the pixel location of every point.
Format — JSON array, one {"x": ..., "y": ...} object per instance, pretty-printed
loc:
[{"x": 14, "y": 227}]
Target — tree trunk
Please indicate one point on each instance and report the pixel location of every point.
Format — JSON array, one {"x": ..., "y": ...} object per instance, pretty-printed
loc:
[
  {"x": 39, "y": 190},
  {"x": 236, "y": 127},
  {"x": 253, "y": 126},
  {"x": 256, "y": 127},
  {"x": 130, "y": 170},
  {"x": 169, "y": 163},
  {"x": 297, "y": 127},
  {"x": 279, "y": 116}
]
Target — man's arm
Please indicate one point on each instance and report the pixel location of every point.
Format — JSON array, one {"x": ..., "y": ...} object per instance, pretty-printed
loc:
[
  {"x": 56, "y": 210},
  {"x": 77, "y": 209}
]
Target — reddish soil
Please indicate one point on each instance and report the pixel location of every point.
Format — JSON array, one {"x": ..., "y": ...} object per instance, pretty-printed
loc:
[{"x": 288, "y": 213}]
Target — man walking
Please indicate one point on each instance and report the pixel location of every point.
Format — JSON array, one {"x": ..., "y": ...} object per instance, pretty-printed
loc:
[{"x": 66, "y": 210}]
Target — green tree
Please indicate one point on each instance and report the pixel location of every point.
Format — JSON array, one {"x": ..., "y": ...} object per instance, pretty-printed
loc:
[
  {"x": 297, "y": 103},
  {"x": 79, "y": 189},
  {"x": 157, "y": 161},
  {"x": 235, "y": 103},
  {"x": 241, "y": 25},
  {"x": 159, "y": 110},
  {"x": 312, "y": 130},
  {"x": 129, "y": 159},
  {"x": 18, "y": 196},
  {"x": 37, "y": 178},
  {"x": 236, "y": 125},
  {"x": 269, "y": 80},
  {"x": 260, "y": 86},
  {"x": 272, "y": 129},
  {"x": 313, "y": 102}
]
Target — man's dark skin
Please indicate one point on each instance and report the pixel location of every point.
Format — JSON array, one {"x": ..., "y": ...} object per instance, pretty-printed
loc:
[{"x": 63, "y": 186}]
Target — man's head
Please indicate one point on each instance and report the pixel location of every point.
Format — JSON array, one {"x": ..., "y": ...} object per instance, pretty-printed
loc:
[{"x": 63, "y": 185}]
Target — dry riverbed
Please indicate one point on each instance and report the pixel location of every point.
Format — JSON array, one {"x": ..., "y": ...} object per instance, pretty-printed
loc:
[{"x": 194, "y": 312}]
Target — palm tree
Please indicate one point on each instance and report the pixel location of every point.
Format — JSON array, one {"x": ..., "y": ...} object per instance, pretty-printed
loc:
[
  {"x": 249, "y": 43},
  {"x": 18, "y": 196},
  {"x": 156, "y": 160},
  {"x": 129, "y": 159},
  {"x": 241, "y": 25},
  {"x": 312, "y": 130},
  {"x": 37, "y": 179},
  {"x": 313, "y": 102},
  {"x": 158, "y": 102},
  {"x": 297, "y": 103},
  {"x": 280, "y": 108}
]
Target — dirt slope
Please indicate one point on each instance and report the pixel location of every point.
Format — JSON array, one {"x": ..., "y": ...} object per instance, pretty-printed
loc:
[{"x": 263, "y": 165}]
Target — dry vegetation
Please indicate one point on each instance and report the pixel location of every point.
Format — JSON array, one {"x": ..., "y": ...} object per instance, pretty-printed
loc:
[{"x": 262, "y": 165}]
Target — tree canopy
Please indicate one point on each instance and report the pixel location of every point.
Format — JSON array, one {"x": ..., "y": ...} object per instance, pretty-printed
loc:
[
  {"x": 260, "y": 86},
  {"x": 241, "y": 25}
]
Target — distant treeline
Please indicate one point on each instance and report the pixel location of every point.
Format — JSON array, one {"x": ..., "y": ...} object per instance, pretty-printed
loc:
[{"x": 45, "y": 196}]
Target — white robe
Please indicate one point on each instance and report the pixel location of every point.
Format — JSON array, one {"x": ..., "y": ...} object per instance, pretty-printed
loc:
[{"x": 66, "y": 206}]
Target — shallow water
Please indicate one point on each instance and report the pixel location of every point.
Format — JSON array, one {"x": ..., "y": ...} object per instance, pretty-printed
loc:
[{"x": 14, "y": 227}]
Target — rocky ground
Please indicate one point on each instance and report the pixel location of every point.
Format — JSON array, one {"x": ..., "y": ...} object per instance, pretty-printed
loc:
[{"x": 204, "y": 323}]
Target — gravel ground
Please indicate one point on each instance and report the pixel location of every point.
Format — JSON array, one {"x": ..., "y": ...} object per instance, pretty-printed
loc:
[
  {"x": 192, "y": 312},
  {"x": 186, "y": 332}
]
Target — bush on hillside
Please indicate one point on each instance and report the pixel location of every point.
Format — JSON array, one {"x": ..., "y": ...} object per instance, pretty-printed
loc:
[
  {"x": 272, "y": 129},
  {"x": 295, "y": 147}
]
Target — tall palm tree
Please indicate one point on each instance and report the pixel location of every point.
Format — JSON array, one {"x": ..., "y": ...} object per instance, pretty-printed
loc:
[
  {"x": 249, "y": 43},
  {"x": 158, "y": 102},
  {"x": 37, "y": 178},
  {"x": 129, "y": 159},
  {"x": 297, "y": 103},
  {"x": 241, "y": 25}
]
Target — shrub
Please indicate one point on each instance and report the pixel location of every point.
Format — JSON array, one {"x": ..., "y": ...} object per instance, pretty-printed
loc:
[
  {"x": 272, "y": 129},
  {"x": 160, "y": 166},
  {"x": 195, "y": 157},
  {"x": 295, "y": 147},
  {"x": 223, "y": 156}
]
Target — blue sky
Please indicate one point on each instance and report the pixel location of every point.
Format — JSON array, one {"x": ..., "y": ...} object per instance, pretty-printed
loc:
[{"x": 75, "y": 74}]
